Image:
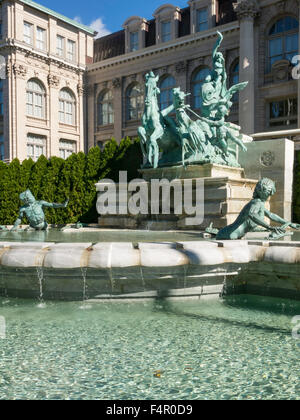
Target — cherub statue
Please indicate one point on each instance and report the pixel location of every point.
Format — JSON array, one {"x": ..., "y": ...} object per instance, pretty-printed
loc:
[
  {"x": 252, "y": 217},
  {"x": 33, "y": 210}
]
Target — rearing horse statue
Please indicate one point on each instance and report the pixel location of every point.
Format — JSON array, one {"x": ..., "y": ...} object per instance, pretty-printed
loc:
[{"x": 156, "y": 132}]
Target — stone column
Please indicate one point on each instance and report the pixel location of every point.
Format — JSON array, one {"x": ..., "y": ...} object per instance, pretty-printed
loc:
[
  {"x": 246, "y": 12},
  {"x": 92, "y": 114},
  {"x": 53, "y": 139},
  {"x": 118, "y": 108},
  {"x": 81, "y": 147},
  {"x": 19, "y": 140}
]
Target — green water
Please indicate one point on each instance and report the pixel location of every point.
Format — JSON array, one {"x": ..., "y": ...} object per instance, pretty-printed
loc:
[
  {"x": 238, "y": 348},
  {"x": 111, "y": 235}
]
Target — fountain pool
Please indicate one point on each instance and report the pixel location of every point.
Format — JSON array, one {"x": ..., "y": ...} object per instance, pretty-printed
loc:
[{"x": 234, "y": 348}]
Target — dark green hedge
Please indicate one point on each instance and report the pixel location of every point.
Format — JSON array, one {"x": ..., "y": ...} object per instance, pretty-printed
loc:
[
  {"x": 296, "y": 190},
  {"x": 56, "y": 179}
]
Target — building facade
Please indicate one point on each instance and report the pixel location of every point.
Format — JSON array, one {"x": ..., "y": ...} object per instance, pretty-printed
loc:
[
  {"x": 65, "y": 92},
  {"x": 261, "y": 37},
  {"x": 42, "y": 101}
]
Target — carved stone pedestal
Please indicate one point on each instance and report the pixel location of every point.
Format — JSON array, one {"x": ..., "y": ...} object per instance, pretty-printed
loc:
[{"x": 226, "y": 192}]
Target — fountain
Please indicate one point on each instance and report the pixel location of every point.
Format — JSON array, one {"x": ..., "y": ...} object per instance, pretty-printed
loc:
[{"x": 200, "y": 154}]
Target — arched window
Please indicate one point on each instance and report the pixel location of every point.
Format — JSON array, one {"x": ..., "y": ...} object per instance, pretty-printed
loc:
[
  {"x": 35, "y": 99},
  {"x": 166, "y": 92},
  {"x": 134, "y": 102},
  {"x": 67, "y": 104},
  {"x": 197, "y": 82},
  {"x": 234, "y": 79},
  {"x": 105, "y": 108},
  {"x": 283, "y": 40}
]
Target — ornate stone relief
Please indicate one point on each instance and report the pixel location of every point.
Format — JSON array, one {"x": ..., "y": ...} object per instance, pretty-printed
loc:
[
  {"x": 181, "y": 67},
  {"x": 20, "y": 70},
  {"x": 267, "y": 158},
  {"x": 246, "y": 9},
  {"x": 53, "y": 80},
  {"x": 116, "y": 83}
]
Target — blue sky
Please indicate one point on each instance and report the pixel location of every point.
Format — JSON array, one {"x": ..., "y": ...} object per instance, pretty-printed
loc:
[{"x": 106, "y": 15}]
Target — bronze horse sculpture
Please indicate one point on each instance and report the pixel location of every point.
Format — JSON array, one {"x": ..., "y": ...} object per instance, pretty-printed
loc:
[{"x": 157, "y": 132}]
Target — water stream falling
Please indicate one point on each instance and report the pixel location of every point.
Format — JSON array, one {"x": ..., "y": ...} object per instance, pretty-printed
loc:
[
  {"x": 40, "y": 275},
  {"x": 143, "y": 279},
  {"x": 84, "y": 294},
  {"x": 85, "y": 288},
  {"x": 112, "y": 282}
]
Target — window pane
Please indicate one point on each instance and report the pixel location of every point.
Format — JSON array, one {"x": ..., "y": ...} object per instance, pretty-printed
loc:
[
  {"x": 36, "y": 146},
  {"x": 134, "y": 41},
  {"x": 291, "y": 43},
  {"x": 40, "y": 38},
  {"x": 275, "y": 47},
  {"x": 60, "y": 45},
  {"x": 105, "y": 108},
  {"x": 71, "y": 50},
  {"x": 166, "y": 92},
  {"x": 202, "y": 20},
  {"x": 283, "y": 113},
  {"x": 166, "y": 31},
  {"x": 28, "y": 33}
]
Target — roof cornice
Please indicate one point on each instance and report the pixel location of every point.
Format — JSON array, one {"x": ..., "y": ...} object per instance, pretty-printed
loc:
[
  {"x": 59, "y": 16},
  {"x": 156, "y": 49}
]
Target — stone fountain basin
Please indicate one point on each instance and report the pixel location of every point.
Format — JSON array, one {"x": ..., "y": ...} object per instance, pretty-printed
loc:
[{"x": 74, "y": 271}]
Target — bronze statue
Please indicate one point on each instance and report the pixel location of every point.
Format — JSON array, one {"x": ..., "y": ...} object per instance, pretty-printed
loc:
[
  {"x": 252, "y": 217},
  {"x": 33, "y": 210}
]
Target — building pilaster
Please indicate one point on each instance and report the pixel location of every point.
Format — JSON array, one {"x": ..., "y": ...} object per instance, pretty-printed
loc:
[{"x": 246, "y": 11}]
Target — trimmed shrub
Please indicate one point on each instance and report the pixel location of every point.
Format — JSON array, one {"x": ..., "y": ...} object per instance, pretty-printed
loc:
[{"x": 55, "y": 180}]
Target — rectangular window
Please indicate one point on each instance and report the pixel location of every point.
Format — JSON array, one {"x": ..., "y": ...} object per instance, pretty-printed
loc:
[
  {"x": 1, "y": 34},
  {"x": 283, "y": 113},
  {"x": 202, "y": 20},
  {"x": 28, "y": 33},
  {"x": 1, "y": 147},
  {"x": 40, "y": 38},
  {"x": 36, "y": 146},
  {"x": 71, "y": 50},
  {"x": 134, "y": 41},
  {"x": 60, "y": 41},
  {"x": 66, "y": 148},
  {"x": 166, "y": 34}
]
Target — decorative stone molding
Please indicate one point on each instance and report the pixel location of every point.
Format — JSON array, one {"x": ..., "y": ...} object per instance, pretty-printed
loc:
[
  {"x": 20, "y": 70},
  {"x": 181, "y": 67},
  {"x": 167, "y": 12},
  {"x": 8, "y": 69},
  {"x": 116, "y": 83},
  {"x": 89, "y": 89},
  {"x": 53, "y": 81},
  {"x": 135, "y": 24},
  {"x": 80, "y": 89},
  {"x": 267, "y": 158},
  {"x": 281, "y": 5},
  {"x": 281, "y": 71},
  {"x": 246, "y": 9}
]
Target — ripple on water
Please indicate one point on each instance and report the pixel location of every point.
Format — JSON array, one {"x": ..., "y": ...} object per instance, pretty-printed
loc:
[{"x": 240, "y": 348}]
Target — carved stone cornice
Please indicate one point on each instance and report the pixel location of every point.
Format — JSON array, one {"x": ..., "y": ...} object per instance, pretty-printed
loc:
[
  {"x": 53, "y": 80},
  {"x": 20, "y": 70},
  {"x": 246, "y": 9}
]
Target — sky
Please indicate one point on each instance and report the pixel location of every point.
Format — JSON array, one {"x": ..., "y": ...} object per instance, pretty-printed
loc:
[{"x": 106, "y": 16}]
